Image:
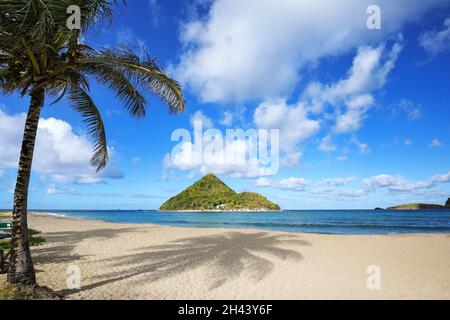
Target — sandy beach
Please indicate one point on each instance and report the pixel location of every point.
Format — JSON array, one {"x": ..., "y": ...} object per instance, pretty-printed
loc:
[{"x": 124, "y": 261}]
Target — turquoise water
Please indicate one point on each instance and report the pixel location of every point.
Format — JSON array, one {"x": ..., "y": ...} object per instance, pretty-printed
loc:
[{"x": 313, "y": 221}]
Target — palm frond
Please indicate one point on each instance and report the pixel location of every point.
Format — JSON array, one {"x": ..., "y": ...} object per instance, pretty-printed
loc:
[
  {"x": 42, "y": 16},
  {"x": 144, "y": 73},
  {"x": 125, "y": 90},
  {"x": 82, "y": 102}
]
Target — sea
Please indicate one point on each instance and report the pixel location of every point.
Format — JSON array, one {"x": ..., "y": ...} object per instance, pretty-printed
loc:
[{"x": 310, "y": 221}]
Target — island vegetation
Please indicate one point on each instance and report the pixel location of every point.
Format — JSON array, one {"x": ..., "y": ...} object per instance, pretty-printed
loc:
[
  {"x": 212, "y": 194},
  {"x": 420, "y": 206}
]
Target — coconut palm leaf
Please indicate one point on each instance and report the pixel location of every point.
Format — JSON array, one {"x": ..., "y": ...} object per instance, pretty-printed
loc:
[
  {"x": 145, "y": 73},
  {"x": 82, "y": 102}
]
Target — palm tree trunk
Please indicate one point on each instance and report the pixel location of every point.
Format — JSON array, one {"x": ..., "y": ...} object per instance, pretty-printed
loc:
[{"x": 21, "y": 268}]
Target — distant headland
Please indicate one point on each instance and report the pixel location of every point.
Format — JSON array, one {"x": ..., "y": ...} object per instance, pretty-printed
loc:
[
  {"x": 212, "y": 194},
  {"x": 419, "y": 206}
]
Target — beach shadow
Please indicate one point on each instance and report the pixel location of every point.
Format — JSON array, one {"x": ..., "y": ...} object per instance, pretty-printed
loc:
[
  {"x": 59, "y": 247},
  {"x": 224, "y": 257}
]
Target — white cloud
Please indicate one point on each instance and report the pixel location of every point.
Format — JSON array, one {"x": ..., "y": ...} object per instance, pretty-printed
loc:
[
  {"x": 435, "y": 143},
  {"x": 227, "y": 119},
  {"x": 2, "y": 173},
  {"x": 293, "y": 183},
  {"x": 436, "y": 42},
  {"x": 400, "y": 184},
  {"x": 59, "y": 152},
  {"x": 258, "y": 48},
  {"x": 351, "y": 120},
  {"x": 335, "y": 182},
  {"x": 382, "y": 181},
  {"x": 352, "y": 97},
  {"x": 232, "y": 160},
  {"x": 412, "y": 110},
  {"x": 333, "y": 187},
  {"x": 291, "y": 120},
  {"x": 263, "y": 182},
  {"x": 408, "y": 142},
  {"x": 155, "y": 12},
  {"x": 441, "y": 178},
  {"x": 362, "y": 146},
  {"x": 55, "y": 190},
  {"x": 326, "y": 144},
  {"x": 200, "y": 116},
  {"x": 339, "y": 193}
]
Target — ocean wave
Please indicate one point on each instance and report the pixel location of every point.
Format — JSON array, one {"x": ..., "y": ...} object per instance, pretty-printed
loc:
[
  {"x": 312, "y": 225},
  {"x": 53, "y": 214}
]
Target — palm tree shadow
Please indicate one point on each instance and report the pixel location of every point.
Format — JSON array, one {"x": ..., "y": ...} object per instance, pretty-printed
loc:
[
  {"x": 61, "y": 246},
  {"x": 224, "y": 257}
]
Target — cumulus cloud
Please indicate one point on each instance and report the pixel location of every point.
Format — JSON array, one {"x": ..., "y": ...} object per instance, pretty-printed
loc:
[
  {"x": 436, "y": 42},
  {"x": 293, "y": 122},
  {"x": 413, "y": 111},
  {"x": 349, "y": 98},
  {"x": 435, "y": 143},
  {"x": 59, "y": 153},
  {"x": 335, "y": 187},
  {"x": 233, "y": 160},
  {"x": 291, "y": 183},
  {"x": 382, "y": 181},
  {"x": 339, "y": 193},
  {"x": 263, "y": 182},
  {"x": 56, "y": 190},
  {"x": 334, "y": 182},
  {"x": 227, "y": 118},
  {"x": 400, "y": 184},
  {"x": 363, "y": 147},
  {"x": 326, "y": 144},
  {"x": 256, "y": 49},
  {"x": 201, "y": 117},
  {"x": 330, "y": 187},
  {"x": 237, "y": 153},
  {"x": 352, "y": 97}
]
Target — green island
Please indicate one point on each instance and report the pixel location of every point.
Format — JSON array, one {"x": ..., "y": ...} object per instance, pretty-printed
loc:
[
  {"x": 212, "y": 194},
  {"x": 420, "y": 206}
]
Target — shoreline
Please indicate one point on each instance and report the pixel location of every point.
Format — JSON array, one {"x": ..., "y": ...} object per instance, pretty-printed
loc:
[{"x": 151, "y": 261}]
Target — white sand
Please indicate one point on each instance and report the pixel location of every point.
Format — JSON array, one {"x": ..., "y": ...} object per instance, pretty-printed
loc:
[{"x": 120, "y": 261}]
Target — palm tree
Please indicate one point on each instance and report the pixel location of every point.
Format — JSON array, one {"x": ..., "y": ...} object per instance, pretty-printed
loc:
[{"x": 41, "y": 57}]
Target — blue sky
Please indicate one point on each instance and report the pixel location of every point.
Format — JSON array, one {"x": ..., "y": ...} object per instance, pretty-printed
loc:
[{"x": 363, "y": 114}]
